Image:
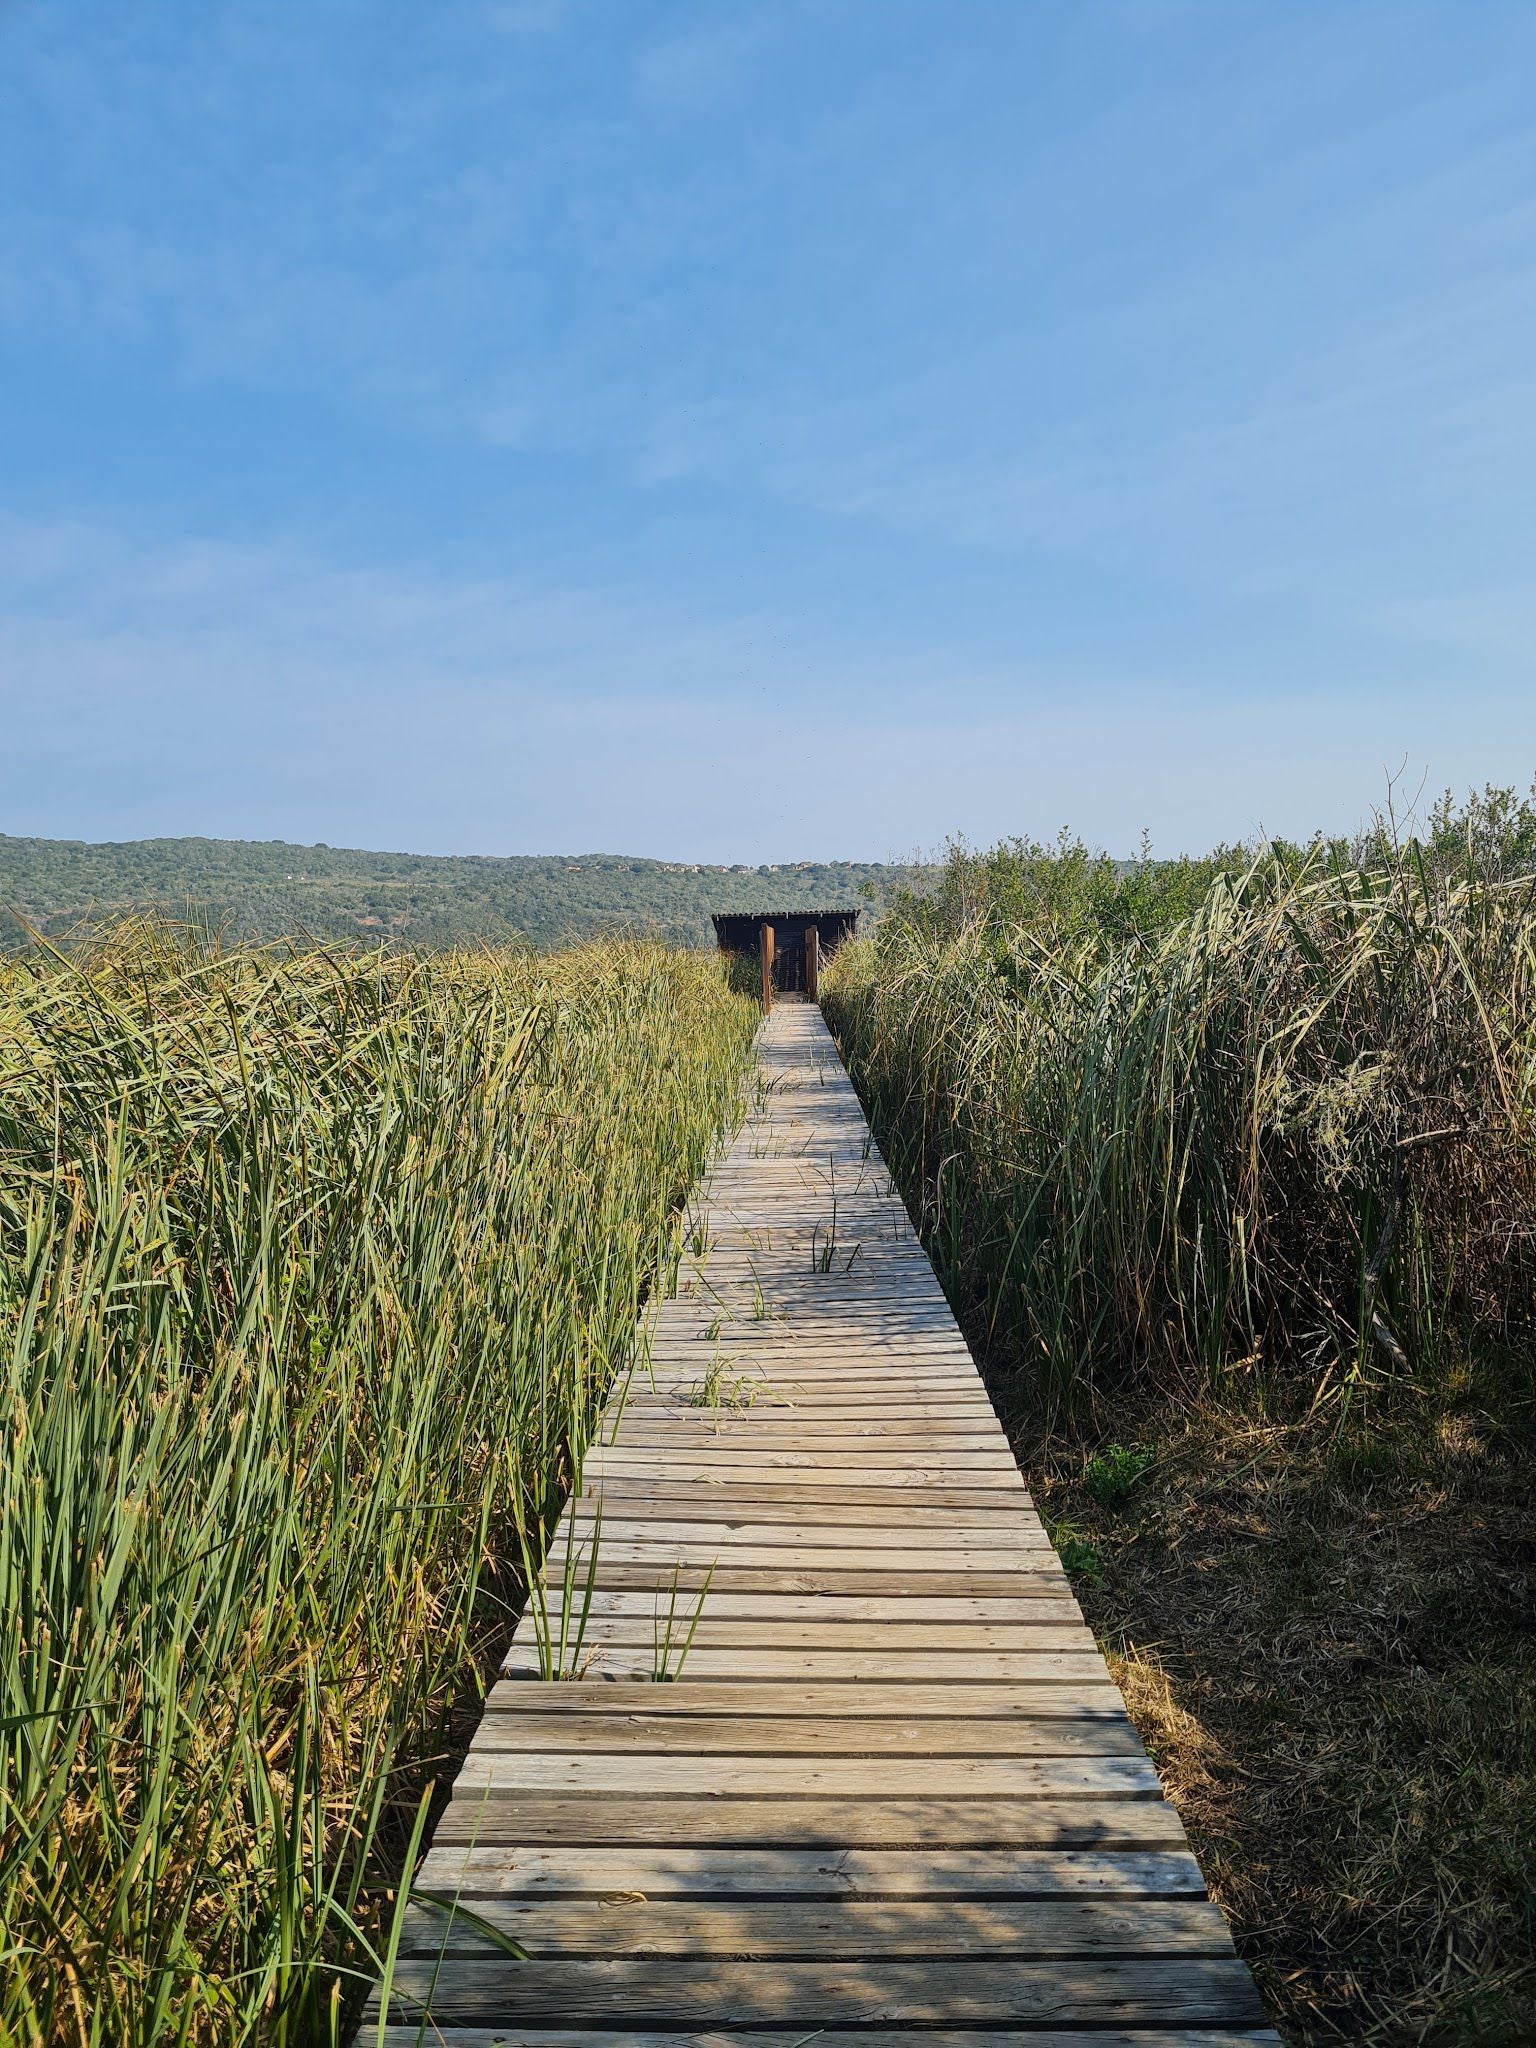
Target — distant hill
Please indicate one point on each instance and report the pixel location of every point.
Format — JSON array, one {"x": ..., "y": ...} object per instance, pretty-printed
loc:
[{"x": 264, "y": 889}]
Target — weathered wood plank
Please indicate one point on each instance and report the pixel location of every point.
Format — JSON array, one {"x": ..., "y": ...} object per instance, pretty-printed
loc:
[
  {"x": 451, "y": 2036},
  {"x": 811, "y": 1873},
  {"x": 838, "y": 1777},
  {"x": 1005, "y": 1700},
  {"x": 784, "y": 1501},
  {"x": 890, "y": 1991},
  {"x": 1030, "y": 1606},
  {"x": 718, "y": 1735},
  {"x": 612, "y": 1525},
  {"x": 808, "y": 1556},
  {"x": 485, "y": 1818},
  {"x": 905, "y": 1478},
  {"x": 729, "y": 1576},
  {"x": 705, "y": 1665},
  {"x": 854, "y": 1929},
  {"x": 711, "y": 1631},
  {"x": 786, "y": 1415}
]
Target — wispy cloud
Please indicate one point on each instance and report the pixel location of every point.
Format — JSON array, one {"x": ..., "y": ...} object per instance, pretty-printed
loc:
[{"x": 266, "y": 692}]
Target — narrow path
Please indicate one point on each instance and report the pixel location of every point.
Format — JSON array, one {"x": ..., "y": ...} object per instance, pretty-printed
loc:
[{"x": 893, "y": 1789}]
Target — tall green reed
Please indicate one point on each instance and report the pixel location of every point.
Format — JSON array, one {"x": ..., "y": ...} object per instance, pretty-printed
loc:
[
  {"x": 1283, "y": 1138},
  {"x": 313, "y": 1269}
]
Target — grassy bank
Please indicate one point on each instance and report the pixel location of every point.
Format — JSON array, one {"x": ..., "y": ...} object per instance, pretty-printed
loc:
[
  {"x": 1229, "y": 1169},
  {"x": 313, "y": 1267}
]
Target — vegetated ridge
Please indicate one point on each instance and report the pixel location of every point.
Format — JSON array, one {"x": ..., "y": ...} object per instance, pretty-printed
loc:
[{"x": 255, "y": 890}]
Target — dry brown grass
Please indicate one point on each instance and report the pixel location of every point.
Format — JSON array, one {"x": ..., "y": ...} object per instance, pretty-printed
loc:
[{"x": 1327, "y": 1637}]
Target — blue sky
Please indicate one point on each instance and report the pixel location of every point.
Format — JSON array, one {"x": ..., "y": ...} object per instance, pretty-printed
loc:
[{"x": 735, "y": 431}]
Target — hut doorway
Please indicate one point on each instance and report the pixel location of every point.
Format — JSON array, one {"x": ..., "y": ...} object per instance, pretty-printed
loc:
[{"x": 741, "y": 932}]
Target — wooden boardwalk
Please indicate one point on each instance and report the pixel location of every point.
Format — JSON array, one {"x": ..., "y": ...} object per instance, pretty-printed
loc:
[{"x": 893, "y": 1796}]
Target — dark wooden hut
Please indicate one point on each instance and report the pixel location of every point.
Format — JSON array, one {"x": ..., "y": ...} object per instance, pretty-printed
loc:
[{"x": 741, "y": 931}]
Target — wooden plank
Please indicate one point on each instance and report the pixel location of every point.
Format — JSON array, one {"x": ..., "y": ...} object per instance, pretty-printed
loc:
[
  {"x": 781, "y": 1426},
  {"x": 847, "y": 1928},
  {"x": 806, "y": 1556},
  {"x": 731, "y": 1577},
  {"x": 872, "y": 1237},
  {"x": 828, "y": 1699},
  {"x": 837, "y": 1301},
  {"x": 774, "y": 1501},
  {"x": 739, "y": 1440},
  {"x": 733, "y": 1394},
  {"x": 704, "y": 1665},
  {"x": 710, "y": 1631},
  {"x": 977, "y": 1990},
  {"x": 938, "y": 1612},
  {"x": 811, "y": 1873},
  {"x": 916, "y": 1361},
  {"x": 484, "y": 1817},
  {"x": 832, "y": 1376},
  {"x": 713, "y": 1735},
  {"x": 813, "y": 1529},
  {"x": 688, "y": 1401},
  {"x": 768, "y": 1777},
  {"x": 842, "y": 1308},
  {"x": 895, "y": 1464},
  {"x": 837, "y": 1372},
  {"x": 677, "y": 1329},
  {"x": 903, "y": 1479},
  {"x": 976, "y": 1472},
  {"x": 706, "y": 1494},
  {"x": 771, "y": 1426}
]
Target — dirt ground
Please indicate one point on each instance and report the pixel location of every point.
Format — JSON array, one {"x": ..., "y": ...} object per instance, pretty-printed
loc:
[{"x": 1327, "y": 1636}]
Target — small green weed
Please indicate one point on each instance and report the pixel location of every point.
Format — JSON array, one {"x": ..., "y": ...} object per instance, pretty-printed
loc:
[
  {"x": 674, "y": 1631},
  {"x": 1079, "y": 1558},
  {"x": 1114, "y": 1474},
  {"x": 763, "y": 1310},
  {"x": 721, "y": 1388}
]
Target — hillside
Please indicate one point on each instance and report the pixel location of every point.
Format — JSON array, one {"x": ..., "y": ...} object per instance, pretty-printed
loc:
[{"x": 262, "y": 889}]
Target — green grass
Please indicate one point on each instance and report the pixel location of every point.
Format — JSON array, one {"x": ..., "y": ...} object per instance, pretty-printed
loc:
[{"x": 314, "y": 1269}]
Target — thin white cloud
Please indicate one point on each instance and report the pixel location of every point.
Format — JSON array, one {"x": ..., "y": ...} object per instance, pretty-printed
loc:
[{"x": 190, "y": 686}]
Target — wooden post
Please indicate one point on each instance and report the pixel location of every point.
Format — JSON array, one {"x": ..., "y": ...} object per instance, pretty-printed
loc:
[
  {"x": 812, "y": 964},
  {"x": 766, "y": 946}
]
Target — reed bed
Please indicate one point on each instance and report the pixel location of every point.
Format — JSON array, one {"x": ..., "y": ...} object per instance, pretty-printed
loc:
[
  {"x": 1284, "y": 1136},
  {"x": 314, "y": 1268},
  {"x": 1229, "y": 1169}
]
